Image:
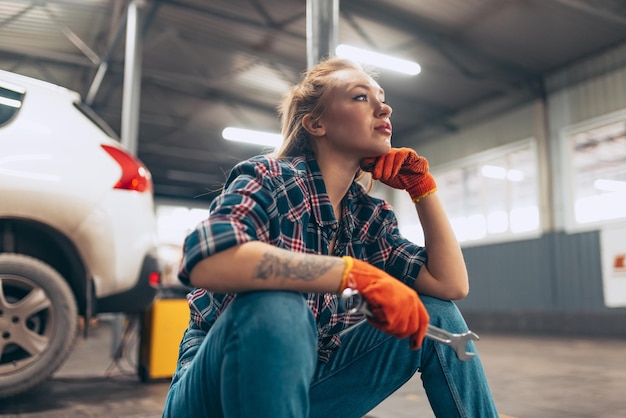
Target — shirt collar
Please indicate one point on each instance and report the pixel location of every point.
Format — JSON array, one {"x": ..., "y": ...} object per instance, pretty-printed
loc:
[{"x": 320, "y": 201}]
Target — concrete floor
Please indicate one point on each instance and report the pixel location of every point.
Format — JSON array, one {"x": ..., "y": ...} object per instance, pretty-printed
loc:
[{"x": 530, "y": 376}]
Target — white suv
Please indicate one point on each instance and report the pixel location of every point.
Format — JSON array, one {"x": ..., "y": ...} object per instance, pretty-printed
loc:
[{"x": 77, "y": 227}]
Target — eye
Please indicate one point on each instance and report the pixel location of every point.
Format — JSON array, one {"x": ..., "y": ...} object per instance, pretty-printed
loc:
[{"x": 360, "y": 98}]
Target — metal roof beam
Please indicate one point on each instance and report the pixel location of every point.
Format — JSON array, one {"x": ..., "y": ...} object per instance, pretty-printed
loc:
[
  {"x": 595, "y": 10},
  {"x": 398, "y": 19},
  {"x": 201, "y": 88},
  {"x": 46, "y": 55},
  {"x": 278, "y": 26}
]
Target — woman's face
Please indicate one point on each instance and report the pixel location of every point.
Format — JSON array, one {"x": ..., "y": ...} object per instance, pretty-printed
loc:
[{"x": 356, "y": 119}]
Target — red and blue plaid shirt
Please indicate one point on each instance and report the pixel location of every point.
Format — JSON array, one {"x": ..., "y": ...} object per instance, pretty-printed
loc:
[{"x": 284, "y": 202}]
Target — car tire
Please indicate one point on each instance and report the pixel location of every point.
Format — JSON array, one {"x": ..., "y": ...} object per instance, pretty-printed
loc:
[{"x": 38, "y": 320}]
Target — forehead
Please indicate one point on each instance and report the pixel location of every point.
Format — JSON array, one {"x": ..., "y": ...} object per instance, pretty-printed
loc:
[{"x": 350, "y": 78}]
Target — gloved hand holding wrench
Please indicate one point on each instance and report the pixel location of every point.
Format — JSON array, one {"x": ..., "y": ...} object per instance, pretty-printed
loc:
[
  {"x": 353, "y": 302},
  {"x": 396, "y": 308}
]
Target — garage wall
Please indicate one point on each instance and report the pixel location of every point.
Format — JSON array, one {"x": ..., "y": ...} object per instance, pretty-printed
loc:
[
  {"x": 552, "y": 283},
  {"x": 597, "y": 88},
  {"x": 501, "y": 130}
]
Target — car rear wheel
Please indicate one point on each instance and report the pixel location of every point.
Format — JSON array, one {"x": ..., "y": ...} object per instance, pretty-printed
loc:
[{"x": 38, "y": 320}]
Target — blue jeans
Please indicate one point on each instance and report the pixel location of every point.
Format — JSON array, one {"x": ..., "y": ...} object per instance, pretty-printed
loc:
[{"x": 260, "y": 360}]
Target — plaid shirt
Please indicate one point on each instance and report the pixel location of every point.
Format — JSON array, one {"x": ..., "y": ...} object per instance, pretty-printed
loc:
[{"x": 284, "y": 203}]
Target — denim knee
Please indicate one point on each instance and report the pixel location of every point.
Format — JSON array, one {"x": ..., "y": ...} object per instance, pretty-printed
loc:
[
  {"x": 444, "y": 314},
  {"x": 257, "y": 360},
  {"x": 271, "y": 318}
]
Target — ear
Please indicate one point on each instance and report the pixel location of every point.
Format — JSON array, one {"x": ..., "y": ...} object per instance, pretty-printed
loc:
[{"x": 313, "y": 125}]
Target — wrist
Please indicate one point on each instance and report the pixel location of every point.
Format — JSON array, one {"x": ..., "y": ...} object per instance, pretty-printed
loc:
[
  {"x": 423, "y": 187},
  {"x": 349, "y": 263},
  {"x": 421, "y": 197}
]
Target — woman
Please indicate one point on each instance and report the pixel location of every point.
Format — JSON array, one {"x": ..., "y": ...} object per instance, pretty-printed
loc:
[{"x": 268, "y": 337}]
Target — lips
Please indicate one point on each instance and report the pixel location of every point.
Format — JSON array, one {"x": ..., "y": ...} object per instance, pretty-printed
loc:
[{"x": 384, "y": 127}]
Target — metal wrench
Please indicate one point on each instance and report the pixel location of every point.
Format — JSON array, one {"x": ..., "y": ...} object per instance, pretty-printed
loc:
[{"x": 353, "y": 302}]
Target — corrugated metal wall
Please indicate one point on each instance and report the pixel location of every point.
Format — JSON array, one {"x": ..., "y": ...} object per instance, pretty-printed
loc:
[
  {"x": 555, "y": 272},
  {"x": 552, "y": 284}
]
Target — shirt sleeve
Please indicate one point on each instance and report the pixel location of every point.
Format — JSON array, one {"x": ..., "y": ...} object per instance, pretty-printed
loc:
[{"x": 244, "y": 211}]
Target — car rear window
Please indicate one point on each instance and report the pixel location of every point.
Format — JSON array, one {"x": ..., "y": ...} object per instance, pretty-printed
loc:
[
  {"x": 11, "y": 98},
  {"x": 96, "y": 119}
]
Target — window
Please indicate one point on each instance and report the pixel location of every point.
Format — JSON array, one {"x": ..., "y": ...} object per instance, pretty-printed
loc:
[
  {"x": 90, "y": 114},
  {"x": 174, "y": 222},
  {"x": 597, "y": 171},
  {"x": 492, "y": 196},
  {"x": 11, "y": 98}
]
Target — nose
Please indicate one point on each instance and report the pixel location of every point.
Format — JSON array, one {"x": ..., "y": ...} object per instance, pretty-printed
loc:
[{"x": 384, "y": 110}]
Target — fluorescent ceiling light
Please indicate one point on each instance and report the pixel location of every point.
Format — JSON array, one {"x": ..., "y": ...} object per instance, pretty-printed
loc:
[
  {"x": 514, "y": 175},
  {"x": 610, "y": 185},
  {"x": 501, "y": 173},
  {"x": 252, "y": 137},
  {"x": 493, "y": 172},
  {"x": 378, "y": 59}
]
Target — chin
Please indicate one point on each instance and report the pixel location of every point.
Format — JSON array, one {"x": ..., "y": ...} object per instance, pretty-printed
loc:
[{"x": 377, "y": 150}]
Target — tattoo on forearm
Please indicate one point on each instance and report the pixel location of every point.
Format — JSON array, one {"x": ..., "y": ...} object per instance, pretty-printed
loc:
[{"x": 294, "y": 267}]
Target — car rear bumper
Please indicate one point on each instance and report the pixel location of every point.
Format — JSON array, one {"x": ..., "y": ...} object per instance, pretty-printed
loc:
[{"x": 137, "y": 298}]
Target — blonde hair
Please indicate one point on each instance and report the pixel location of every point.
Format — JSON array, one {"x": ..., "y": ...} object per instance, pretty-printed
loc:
[{"x": 307, "y": 97}]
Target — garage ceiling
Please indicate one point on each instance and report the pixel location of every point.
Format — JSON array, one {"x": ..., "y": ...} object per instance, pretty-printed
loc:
[{"x": 207, "y": 64}]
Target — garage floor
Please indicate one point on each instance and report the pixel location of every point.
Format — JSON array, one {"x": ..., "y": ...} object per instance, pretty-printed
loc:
[{"x": 530, "y": 377}]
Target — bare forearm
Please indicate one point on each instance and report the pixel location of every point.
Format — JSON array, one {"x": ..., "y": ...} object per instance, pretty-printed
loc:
[
  {"x": 259, "y": 266},
  {"x": 445, "y": 275}
]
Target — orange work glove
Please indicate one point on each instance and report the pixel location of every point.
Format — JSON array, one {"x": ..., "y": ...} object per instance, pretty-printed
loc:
[
  {"x": 396, "y": 308},
  {"x": 402, "y": 168}
]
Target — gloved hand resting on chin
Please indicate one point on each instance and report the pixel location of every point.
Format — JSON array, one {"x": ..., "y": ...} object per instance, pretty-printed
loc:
[{"x": 402, "y": 168}]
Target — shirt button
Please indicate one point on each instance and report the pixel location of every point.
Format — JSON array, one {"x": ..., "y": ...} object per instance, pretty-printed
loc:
[{"x": 333, "y": 227}]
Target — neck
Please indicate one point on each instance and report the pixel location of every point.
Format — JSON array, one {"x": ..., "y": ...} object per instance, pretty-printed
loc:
[{"x": 338, "y": 173}]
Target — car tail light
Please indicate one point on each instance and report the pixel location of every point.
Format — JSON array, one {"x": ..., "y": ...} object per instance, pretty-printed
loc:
[
  {"x": 135, "y": 175},
  {"x": 154, "y": 278}
]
